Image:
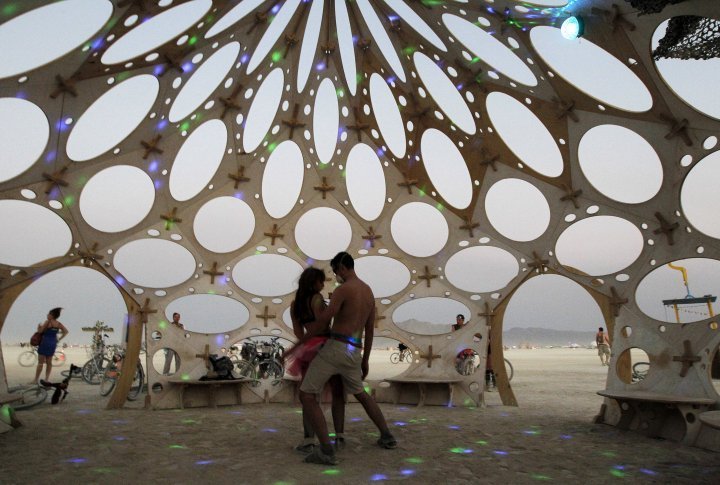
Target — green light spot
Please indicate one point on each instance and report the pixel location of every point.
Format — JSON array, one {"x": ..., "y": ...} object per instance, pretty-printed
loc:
[
  {"x": 421, "y": 192},
  {"x": 284, "y": 483},
  {"x": 162, "y": 325},
  {"x": 82, "y": 181},
  {"x": 440, "y": 207},
  {"x": 609, "y": 454},
  {"x": 212, "y": 292},
  {"x": 185, "y": 126},
  {"x": 192, "y": 40},
  {"x": 188, "y": 421},
  {"x": 481, "y": 442},
  {"x": 103, "y": 470},
  {"x": 123, "y": 75},
  {"x": 409, "y": 50},
  {"x": 358, "y": 78},
  {"x": 69, "y": 200},
  {"x": 457, "y": 450},
  {"x": 9, "y": 9},
  {"x": 340, "y": 92},
  {"x": 276, "y": 56},
  {"x": 414, "y": 460},
  {"x": 617, "y": 473},
  {"x": 537, "y": 476},
  {"x": 332, "y": 471},
  {"x": 272, "y": 147},
  {"x": 185, "y": 377},
  {"x": 177, "y": 447},
  {"x": 332, "y": 435},
  {"x": 367, "y": 389}
]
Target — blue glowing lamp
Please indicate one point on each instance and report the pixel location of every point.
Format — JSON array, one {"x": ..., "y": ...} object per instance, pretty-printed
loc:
[{"x": 572, "y": 28}]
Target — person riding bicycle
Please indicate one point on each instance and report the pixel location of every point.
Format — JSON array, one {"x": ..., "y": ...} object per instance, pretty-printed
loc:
[{"x": 402, "y": 348}]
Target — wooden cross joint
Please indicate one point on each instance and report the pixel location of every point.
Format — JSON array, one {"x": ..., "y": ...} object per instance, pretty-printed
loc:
[
  {"x": 488, "y": 314},
  {"x": 359, "y": 125},
  {"x": 239, "y": 177},
  {"x": 90, "y": 254},
  {"x": 145, "y": 311},
  {"x": 688, "y": 358},
  {"x": 213, "y": 272},
  {"x": 139, "y": 3},
  {"x": 677, "y": 128},
  {"x": 408, "y": 183},
  {"x": 469, "y": 225},
  {"x": 228, "y": 104},
  {"x": 419, "y": 112},
  {"x": 205, "y": 356},
  {"x": 565, "y": 109},
  {"x": 616, "y": 302},
  {"x": 324, "y": 188},
  {"x": 260, "y": 18},
  {"x": 266, "y": 316},
  {"x": 174, "y": 62},
  {"x": 489, "y": 159},
  {"x": 328, "y": 48},
  {"x": 571, "y": 195},
  {"x": 294, "y": 122},
  {"x": 170, "y": 219},
  {"x": 378, "y": 318},
  {"x": 55, "y": 179},
  {"x": 666, "y": 228},
  {"x": 151, "y": 146},
  {"x": 430, "y": 356},
  {"x": 364, "y": 44},
  {"x": 290, "y": 41},
  {"x": 274, "y": 234},
  {"x": 64, "y": 86},
  {"x": 427, "y": 276},
  {"x": 538, "y": 263},
  {"x": 395, "y": 26},
  {"x": 371, "y": 236}
]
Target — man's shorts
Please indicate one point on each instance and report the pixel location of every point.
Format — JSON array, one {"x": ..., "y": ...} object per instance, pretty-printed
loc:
[
  {"x": 603, "y": 349},
  {"x": 335, "y": 357}
]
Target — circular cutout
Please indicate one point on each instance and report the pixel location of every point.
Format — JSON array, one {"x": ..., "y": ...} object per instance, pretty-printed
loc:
[
  {"x": 224, "y": 224},
  {"x": 517, "y": 209},
  {"x": 154, "y": 263},
  {"x": 620, "y": 164},
  {"x": 385, "y": 276},
  {"x": 365, "y": 182},
  {"x": 698, "y": 194},
  {"x": 323, "y": 232},
  {"x": 446, "y": 168},
  {"x": 198, "y": 160},
  {"x": 639, "y": 362},
  {"x": 267, "y": 274},
  {"x": 209, "y": 313},
  {"x": 430, "y": 315},
  {"x": 100, "y": 196},
  {"x": 524, "y": 134},
  {"x": 166, "y": 362},
  {"x": 414, "y": 238},
  {"x": 31, "y": 234},
  {"x": 599, "y": 245},
  {"x": 481, "y": 269},
  {"x": 24, "y": 133}
]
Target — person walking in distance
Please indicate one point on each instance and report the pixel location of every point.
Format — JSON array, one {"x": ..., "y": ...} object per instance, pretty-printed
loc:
[
  {"x": 603, "y": 345},
  {"x": 352, "y": 307}
]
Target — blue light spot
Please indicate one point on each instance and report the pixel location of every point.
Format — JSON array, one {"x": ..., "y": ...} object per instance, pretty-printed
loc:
[
  {"x": 400, "y": 423},
  {"x": 320, "y": 66},
  {"x": 407, "y": 472},
  {"x": 566, "y": 436},
  {"x": 244, "y": 58},
  {"x": 187, "y": 67},
  {"x": 162, "y": 124},
  {"x": 500, "y": 452},
  {"x": 157, "y": 184},
  {"x": 50, "y": 157},
  {"x": 454, "y": 426},
  {"x": 355, "y": 420},
  {"x": 21, "y": 95},
  {"x": 97, "y": 43},
  {"x": 153, "y": 166},
  {"x": 378, "y": 477},
  {"x": 119, "y": 438},
  {"x": 219, "y": 339},
  {"x": 270, "y": 430},
  {"x": 76, "y": 460},
  {"x": 158, "y": 70},
  {"x": 275, "y": 9},
  {"x": 119, "y": 280},
  {"x": 647, "y": 471},
  {"x": 203, "y": 462}
]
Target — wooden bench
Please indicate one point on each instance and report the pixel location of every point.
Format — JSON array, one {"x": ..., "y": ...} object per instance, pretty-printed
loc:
[
  {"x": 424, "y": 386},
  {"x": 212, "y": 387},
  {"x": 711, "y": 419},
  {"x": 653, "y": 409}
]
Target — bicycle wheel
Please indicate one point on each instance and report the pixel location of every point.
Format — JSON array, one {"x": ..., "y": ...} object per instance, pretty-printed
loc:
[
  {"x": 408, "y": 357},
  {"x": 58, "y": 359},
  {"x": 509, "y": 369},
  {"x": 108, "y": 380},
  {"x": 275, "y": 370},
  {"x": 246, "y": 369},
  {"x": 27, "y": 358},
  {"x": 93, "y": 369},
  {"x": 640, "y": 370},
  {"x": 30, "y": 397},
  {"x": 395, "y": 357},
  {"x": 138, "y": 383}
]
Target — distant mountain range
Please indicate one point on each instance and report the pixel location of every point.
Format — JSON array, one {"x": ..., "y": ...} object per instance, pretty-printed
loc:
[{"x": 546, "y": 336}]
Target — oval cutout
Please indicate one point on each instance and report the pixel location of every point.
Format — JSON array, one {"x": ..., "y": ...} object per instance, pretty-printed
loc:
[
  {"x": 46, "y": 33},
  {"x": 24, "y": 134},
  {"x": 666, "y": 285},
  {"x": 238, "y": 12},
  {"x": 154, "y": 263},
  {"x": 489, "y": 49},
  {"x": 208, "y": 313},
  {"x": 385, "y": 45},
  {"x": 309, "y": 44},
  {"x": 599, "y": 245},
  {"x": 365, "y": 182},
  {"x": 444, "y": 92},
  {"x": 204, "y": 82},
  {"x": 31, "y": 234},
  {"x": 385, "y": 276},
  {"x": 224, "y": 224},
  {"x": 387, "y": 115},
  {"x": 272, "y": 33},
  {"x": 111, "y": 118},
  {"x": 156, "y": 31},
  {"x": 99, "y": 198},
  {"x": 446, "y": 168},
  {"x": 592, "y": 70},
  {"x": 326, "y": 120},
  {"x": 481, "y": 269},
  {"x": 429, "y": 316},
  {"x": 416, "y": 23},
  {"x": 347, "y": 46},
  {"x": 323, "y": 232},
  {"x": 416, "y": 238},
  {"x": 267, "y": 274},
  {"x": 517, "y": 209},
  {"x": 197, "y": 160},
  {"x": 282, "y": 179},
  {"x": 263, "y": 109},
  {"x": 620, "y": 164},
  {"x": 698, "y": 194},
  {"x": 524, "y": 134}
]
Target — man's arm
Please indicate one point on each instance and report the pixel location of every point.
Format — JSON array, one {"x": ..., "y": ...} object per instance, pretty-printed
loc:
[
  {"x": 323, "y": 318},
  {"x": 367, "y": 344}
]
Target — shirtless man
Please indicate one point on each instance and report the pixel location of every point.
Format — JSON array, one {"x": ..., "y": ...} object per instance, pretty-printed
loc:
[
  {"x": 353, "y": 308},
  {"x": 170, "y": 354},
  {"x": 603, "y": 345}
]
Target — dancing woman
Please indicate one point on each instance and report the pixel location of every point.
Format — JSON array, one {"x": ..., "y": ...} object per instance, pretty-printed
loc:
[{"x": 307, "y": 304}]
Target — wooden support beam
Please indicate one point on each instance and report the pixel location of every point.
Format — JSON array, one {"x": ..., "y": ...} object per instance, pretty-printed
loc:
[
  {"x": 666, "y": 228},
  {"x": 677, "y": 128},
  {"x": 90, "y": 254},
  {"x": 565, "y": 109},
  {"x": 294, "y": 121},
  {"x": 688, "y": 358},
  {"x": 265, "y": 316},
  {"x": 274, "y": 234},
  {"x": 488, "y": 314},
  {"x": 145, "y": 311},
  {"x": 55, "y": 180},
  {"x": 427, "y": 276},
  {"x": 151, "y": 146},
  {"x": 469, "y": 226},
  {"x": 571, "y": 195},
  {"x": 213, "y": 272},
  {"x": 371, "y": 236},
  {"x": 488, "y": 159},
  {"x": 170, "y": 219},
  {"x": 538, "y": 263},
  {"x": 324, "y": 188},
  {"x": 63, "y": 85},
  {"x": 430, "y": 356},
  {"x": 408, "y": 183},
  {"x": 616, "y": 301},
  {"x": 359, "y": 125},
  {"x": 239, "y": 177}
]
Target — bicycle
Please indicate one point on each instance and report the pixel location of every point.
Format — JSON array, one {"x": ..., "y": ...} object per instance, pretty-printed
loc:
[
  {"x": 29, "y": 358},
  {"x": 404, "y": 356},
  {"x": 639, "y": 371},
  {"x": 112, "y": 372},
  {"x": 30, "y": 396},
  {"x": 93, "y": 369}
]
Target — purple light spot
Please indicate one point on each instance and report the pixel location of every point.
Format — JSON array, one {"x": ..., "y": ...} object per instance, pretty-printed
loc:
[
  {"x": 275, "y": 9},
  {"x": 379, "y": 152},
  {"x": 97, "y": 43},
  {"x": 61, "y": 126},
  {"x": 119, "y": 438},
  {"x": 50, "y": 157},
  {"x": 21, "y": 95},
  {"x": 407, "y": 472},
  {"x": 504, "y": 415},
  {"x": 400, "y": 423},
  {"x": 187, "y": 67},
  {"x": 157, "y": 184},
  {"x": 219, "y": 339},
  {"x": 162, "y": 124},
  {"x": 402, "y": 408},
  {"x": 355, "y": 420},
  {"x": 157, "y": 70},
  {"x": 235, "y": 412},
  {"x": 203, "y": 462},
  {"x": 566, "y": 436},
  {"x": 153, "y": 166},
  {"x": 377, "y": 477},
  {"x": 76, "y": 460},
  {"x": 619, "y": 467},
  {"x": 393, "y": 18},
  {"x": 270, "y": 430},
  {"x": 84, "y": 411},
  {"x": 320, "y": 66},
  {"x": 119, "y": 280},
  {"x": 500, "y": 452},
  {"x": 647, "y": 471},
  {"x": 244, "y": 58},
  {"x": 309, "y": 261},
  {"x": 120, "y": 421},
  {"x": 454, "y": 426}
]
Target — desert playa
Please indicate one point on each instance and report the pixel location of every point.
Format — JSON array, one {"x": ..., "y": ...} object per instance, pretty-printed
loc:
[{"x": 549, "y": 437}]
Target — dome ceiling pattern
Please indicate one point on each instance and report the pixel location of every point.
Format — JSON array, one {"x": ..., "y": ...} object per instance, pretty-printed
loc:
[{"x": 218, "y": 147}]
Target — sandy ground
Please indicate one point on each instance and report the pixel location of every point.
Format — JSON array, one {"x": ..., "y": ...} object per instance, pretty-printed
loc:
[{"x": 549, "y": 437}]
